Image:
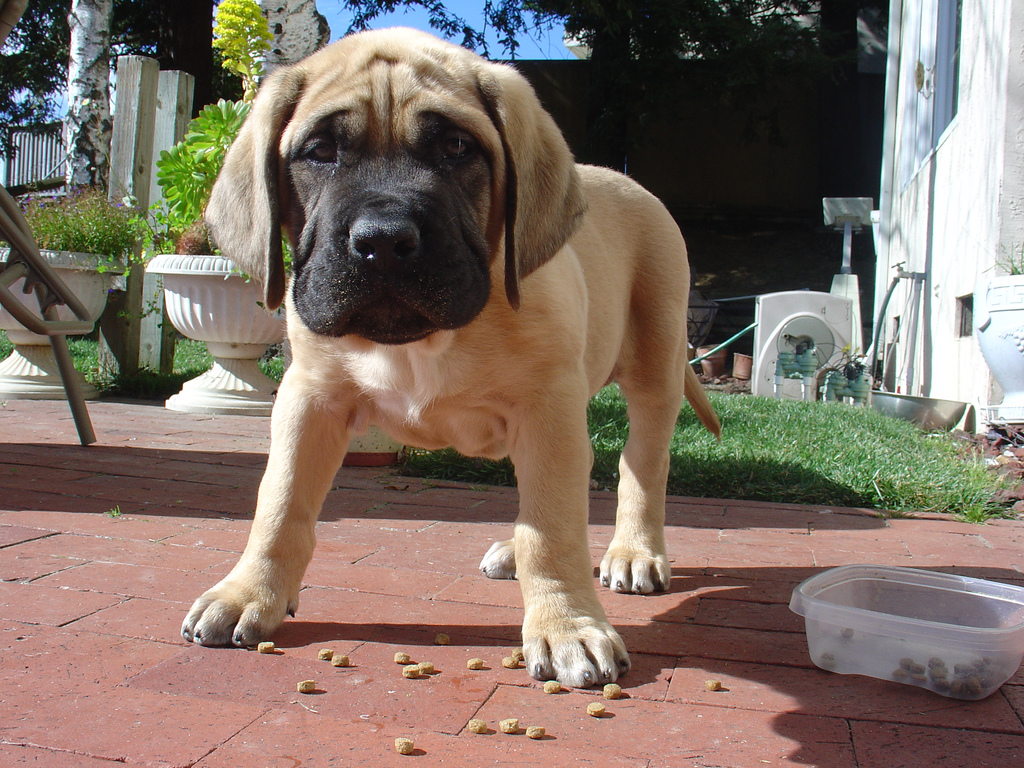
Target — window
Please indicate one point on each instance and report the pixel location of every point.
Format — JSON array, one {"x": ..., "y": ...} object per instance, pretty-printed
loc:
[
  {"x": 947, "y": 65},
  {"x": 930, "y": 77}
]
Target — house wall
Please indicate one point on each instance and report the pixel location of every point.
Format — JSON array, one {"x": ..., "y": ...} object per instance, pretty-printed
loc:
[{"x": 951, "y": 201}]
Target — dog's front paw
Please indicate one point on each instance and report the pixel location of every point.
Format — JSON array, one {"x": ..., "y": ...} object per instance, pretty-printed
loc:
[
  {"x": 578, "y": 652},
  {"x": 626, "y": 570},
  {"x": 500, "y": 561},
  {"x": 236, "y": 613}
]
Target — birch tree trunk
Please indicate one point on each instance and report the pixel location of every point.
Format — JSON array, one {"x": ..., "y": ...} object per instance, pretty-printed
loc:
[
  {"x": 298, "y": 30},
  {"x": 88, "y": 124}
]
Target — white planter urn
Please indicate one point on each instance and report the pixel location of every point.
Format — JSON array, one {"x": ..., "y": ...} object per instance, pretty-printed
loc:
[
  {"x": 208, "y": 300},
  {"x": 999, "y": 325},
  {"x": 30, "y": 372}
]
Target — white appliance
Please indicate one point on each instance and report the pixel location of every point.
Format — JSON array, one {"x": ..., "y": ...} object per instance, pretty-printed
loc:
[{"x": 798, "y": 322}]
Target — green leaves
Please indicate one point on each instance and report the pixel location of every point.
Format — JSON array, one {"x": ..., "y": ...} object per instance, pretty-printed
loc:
[{"x": 187, "y": 171}]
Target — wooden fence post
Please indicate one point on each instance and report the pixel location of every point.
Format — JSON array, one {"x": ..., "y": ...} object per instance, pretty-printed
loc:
[
  {"x": 173, "y": 112},
  {"x": 131, "y": 166}
]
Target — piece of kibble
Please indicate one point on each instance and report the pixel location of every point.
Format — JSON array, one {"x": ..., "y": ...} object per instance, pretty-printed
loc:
[
  {"x": 552, "y": 686},
  {"x": 477, "y": 726},
  {"x": 325, "y": 654},
  {"x": 509, "y": 662},
  {"x": 306, "y": 686},
  {"x": 426, "y": 668},
  {"x": 847, "y": 633},
  {"x": 411, "y": 671},
  {"x": 475, "y": 664},
  {"x": 404, "y": 746},
  {"x": 402, "y": 658},
  {"x": 267, "y": 647},
  {"x": 442, "y": 639},
  {"x": 341, "y": 661},
  {"x": 912, "y": 666},
  {"x": 509, "y": 726},
  {"x": 612, "y": 691},
  {"x": 517, "y": 654},
  {"x": 595, "y": 709},
  {"x": 535, "y": 732},
  {"x": 713, "y": 685}
]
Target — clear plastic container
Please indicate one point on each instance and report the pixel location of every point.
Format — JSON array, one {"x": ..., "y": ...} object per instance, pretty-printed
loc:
[{"x": 954, "y": 635}]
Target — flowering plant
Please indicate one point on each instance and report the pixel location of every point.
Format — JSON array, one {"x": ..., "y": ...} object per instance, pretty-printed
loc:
[
  {"x": 187, "y": 171},
  {"x": 84, "y": 221}
]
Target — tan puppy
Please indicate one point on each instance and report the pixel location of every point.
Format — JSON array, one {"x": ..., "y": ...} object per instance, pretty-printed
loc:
[{"x": 457, "y": 280}]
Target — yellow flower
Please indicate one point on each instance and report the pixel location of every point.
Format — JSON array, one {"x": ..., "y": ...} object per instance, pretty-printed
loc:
[{"x": 242, "y": 35}]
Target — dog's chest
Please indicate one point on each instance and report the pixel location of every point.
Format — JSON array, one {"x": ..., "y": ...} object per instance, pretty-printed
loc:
[{"x": 424, "y": 401}]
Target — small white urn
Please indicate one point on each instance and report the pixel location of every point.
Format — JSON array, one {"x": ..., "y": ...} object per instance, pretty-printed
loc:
[
  {"x": 999, "y": 325},
  {"x": 30, "y": 372},
  {"x": 208, "y": 300}
]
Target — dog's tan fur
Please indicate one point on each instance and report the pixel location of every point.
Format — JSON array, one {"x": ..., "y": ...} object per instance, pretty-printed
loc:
[{"x": 587, "y": 298}]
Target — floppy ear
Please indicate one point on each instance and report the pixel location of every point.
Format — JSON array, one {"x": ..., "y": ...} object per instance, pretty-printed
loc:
[
  {"x": 543, "y": 198},
  {"x": 244, "y": 212}
]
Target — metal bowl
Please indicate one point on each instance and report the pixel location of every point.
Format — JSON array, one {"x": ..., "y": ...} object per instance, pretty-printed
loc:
[{"x": 928, "y": 413}]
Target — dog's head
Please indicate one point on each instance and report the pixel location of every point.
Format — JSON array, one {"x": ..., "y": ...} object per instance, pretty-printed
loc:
[{"x": 400, "y": 167}]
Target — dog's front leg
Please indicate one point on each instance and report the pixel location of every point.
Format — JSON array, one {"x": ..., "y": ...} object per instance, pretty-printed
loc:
[
  {"x": 566, "y": 635},
  {"x": 309, "y": 436}
]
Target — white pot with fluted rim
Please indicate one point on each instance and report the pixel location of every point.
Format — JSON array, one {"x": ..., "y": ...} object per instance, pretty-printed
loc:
[
  {"x": 999, "y": 325},
  {"x": 208, "y": 300},
  {"x": 30, "y": 372}
]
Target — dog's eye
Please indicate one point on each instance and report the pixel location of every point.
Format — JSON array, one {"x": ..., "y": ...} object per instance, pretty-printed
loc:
[
  {"x": 457, "y": 145},
  {"x": 320, "y": 149}
]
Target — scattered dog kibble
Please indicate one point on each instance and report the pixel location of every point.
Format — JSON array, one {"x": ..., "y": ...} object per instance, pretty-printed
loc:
[
  {"x": 341, "y": 661},
  {"x": 536, "y": 732},
  {"x": 517, "y": 654},
  {"x": 266, "y": 647},
  {"x": 475, "y": 664},
  {"x": 442, "y": 639},
  {"x": 306, "y": 686},
  {"x": 477, "y": 726},
  {"x": 325, "y": 654},
  {"x": 510, "y": 662},
  {"x": 509, "y": 726},
  {"x": 404, "y": 746},
  {"x": 411, "y": 671},
  {"x": 713, "y": 685},
  {"x": 612, "y": 691},
  {"x": 426, "y": 668},
  {"x": 552, "y": 686},
  {"x": 595, "y": 709},
  {"x": 402, "y": 658}
]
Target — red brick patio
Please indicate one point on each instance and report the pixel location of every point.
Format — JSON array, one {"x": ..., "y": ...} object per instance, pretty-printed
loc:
[{"x": 102, "y": 549}]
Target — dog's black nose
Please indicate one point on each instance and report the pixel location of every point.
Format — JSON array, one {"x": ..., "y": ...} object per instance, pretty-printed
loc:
[{"x": 384, "y": 243}]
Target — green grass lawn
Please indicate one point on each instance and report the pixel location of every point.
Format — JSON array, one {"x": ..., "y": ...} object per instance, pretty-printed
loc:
[
  {"x": 780, "y": 451},
  {"x": 771, "y": 450}
]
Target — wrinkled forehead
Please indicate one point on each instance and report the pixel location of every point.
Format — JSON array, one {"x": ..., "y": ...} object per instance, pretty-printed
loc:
[{"x": 385, "y": 93}]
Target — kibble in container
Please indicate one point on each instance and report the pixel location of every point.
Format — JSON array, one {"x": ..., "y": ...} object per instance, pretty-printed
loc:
[{"x": 957, "y": 636}]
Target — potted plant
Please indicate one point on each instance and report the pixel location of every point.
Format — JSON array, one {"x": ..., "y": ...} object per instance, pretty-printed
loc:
[
  {"x": 999, "y": 325},
  {"x": 88, "y": 241},
  {"x": 206, "y": 296}
]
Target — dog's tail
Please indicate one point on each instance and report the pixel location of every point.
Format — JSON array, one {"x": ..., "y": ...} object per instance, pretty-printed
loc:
[{"x": 698, "y": 400}]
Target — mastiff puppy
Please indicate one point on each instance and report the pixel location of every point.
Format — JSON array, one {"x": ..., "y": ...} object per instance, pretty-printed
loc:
[{"x": 459, "y": 281}]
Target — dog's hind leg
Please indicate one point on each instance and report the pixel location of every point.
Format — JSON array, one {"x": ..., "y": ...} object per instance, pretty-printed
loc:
[
  {"x": 500, "y": 560},
  {"x": 636, "y": 560}
]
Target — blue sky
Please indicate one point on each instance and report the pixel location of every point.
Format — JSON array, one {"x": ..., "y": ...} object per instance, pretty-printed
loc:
[{"x": 538, "y": 46}]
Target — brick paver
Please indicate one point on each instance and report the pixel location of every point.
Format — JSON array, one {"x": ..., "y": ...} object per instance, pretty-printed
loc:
[{"x": 103, "y": 548}]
